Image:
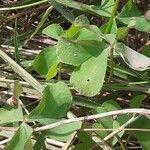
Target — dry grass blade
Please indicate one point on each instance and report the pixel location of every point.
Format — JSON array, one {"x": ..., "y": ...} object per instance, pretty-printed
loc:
[
  {"x": 91, "y": 117},
  {"x": 22, "y": 72}
]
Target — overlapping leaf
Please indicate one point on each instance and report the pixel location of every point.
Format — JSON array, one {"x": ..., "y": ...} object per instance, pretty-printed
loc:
[
  {"x": 132, "y": 58},
  {"x": 74, "y": 53},
  {"x": 89, "y": 77},
  {"x": 55, "y": 103},
  {"x": 22, "y": 139},
  {"x": 45, "y": 60},
  {"x": 131, "y": 16}
]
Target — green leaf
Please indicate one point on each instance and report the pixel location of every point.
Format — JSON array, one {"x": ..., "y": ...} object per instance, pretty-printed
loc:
[
  {"x": 85, "y": 146},
  {"x": 132, "y": 58},
  {"x": 63, "y": 132},
  {"x": 89, "y": 77},
  {"x": 104, "y": 10},
  {"x": 45, "y": 60},
  {"x": 130, "y": 9},
  {"x": 54, "y": 30},
  {"x": 143, "y": 137},
  {"x": 138, "y": 23},
  {"x": 106, "y": 122},
  {"x": 20, "y": 140},
  {"x": 100, "y": 133},
  {"x": 116, "y": 125},
  {"x": 90, "y": 33},
  {"x": 84, "y": 137},
  {"x": 113, "y": 27},
  {"x": 122, "y": 33},
  {"x": 10, "y": 115},
  {"x": 84, "y": 102},
  {"x": 40, "y": 141},
  {"x": 145, "y": 50},
  {"x": 52, "y": 72},
  {"x": 74, "y": 53},
  {"x": 81, "y": 21},
  {"x": 55, "y": 103},
  {"x": 131, "y": 16},
  {"x": 111, "y": 105},
  {"x": 68, "y": 15},
  {"x": 137, "y": 100}
]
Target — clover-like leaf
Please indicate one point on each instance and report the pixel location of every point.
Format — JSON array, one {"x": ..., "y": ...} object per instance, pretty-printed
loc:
[
  {"x": 73, "y": 53},
  {"x": 46, "y": 59},
  {"x": 55, "y": 103},
  {"x": 22, "y": 139},
  {"x": 54, "y": 30},
  {"x": 88, "y": 79}
]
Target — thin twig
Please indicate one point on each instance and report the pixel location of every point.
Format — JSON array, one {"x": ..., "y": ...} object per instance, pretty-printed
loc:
[
  {"x": 114, "y": 129},
  {"x": 23, "y": 6},
  {"x": 54, "y": 142},
  {"x": 140, "y": 111},
  {"x": 72, "y": 136},
  {"x": 121, "y": 127},
  {"x": 5, "y": 141},
  {"x": 67, "y": 144},
  {"x": 23, "y": 73},
  {"x": 100, "y": 142}
]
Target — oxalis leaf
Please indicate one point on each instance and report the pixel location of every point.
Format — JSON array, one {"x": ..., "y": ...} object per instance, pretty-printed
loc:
[
  {"x": 63, "y": 132},
  {"x": 131, "y": 16},
  {"x": 89, "y": 77},
  {"x": 45, "y": 60},
  {"x": 74, "y": 53},
  {"x": 10, "y": 115},
  {"x": 54, "y": 31},
  {"x": 132, "y": 58},
  {"x": 55, "y": 103},
  {"x": 143, "y": 137},
  {"x": 22, "y": 139}
]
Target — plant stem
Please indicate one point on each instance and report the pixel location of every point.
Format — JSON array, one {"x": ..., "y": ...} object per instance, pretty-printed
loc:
[{"x": 107, "y": 30}]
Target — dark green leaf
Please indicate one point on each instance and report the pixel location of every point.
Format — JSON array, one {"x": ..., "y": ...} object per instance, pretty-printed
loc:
[{"x": 137, "y": 100}]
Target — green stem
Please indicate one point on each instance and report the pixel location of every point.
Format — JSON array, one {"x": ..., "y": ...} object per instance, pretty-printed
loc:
[
  {"x": 23, "y": 6},
  {"x": 111, "y": 64},
  {"x": 44, "y": 18},
  {"x": 107, "y": 30}
]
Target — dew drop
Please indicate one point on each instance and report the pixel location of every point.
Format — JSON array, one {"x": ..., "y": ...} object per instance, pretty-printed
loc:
[{"x": 75, "y": 55}]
